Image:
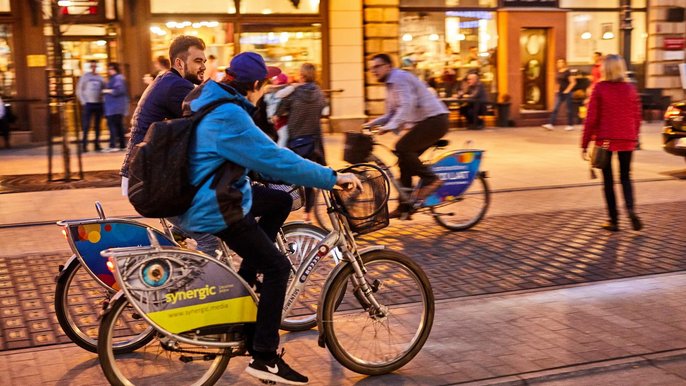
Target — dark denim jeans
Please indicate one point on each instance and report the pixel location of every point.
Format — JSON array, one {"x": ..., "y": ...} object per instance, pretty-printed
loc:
[
  {"x": 91, "y": 111},
  {"x": 561, "y": 98},
  {"x": 624, "y": 178},
  {"x": 254, "y": 242},
  {"x": 116, "y": 125}
]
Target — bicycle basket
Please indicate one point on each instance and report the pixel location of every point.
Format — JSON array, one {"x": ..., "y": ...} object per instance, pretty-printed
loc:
[
  {"x": 297, "y": 194},
  {"x": 365, "y": 210},
  {"x": 358, "y": 147}
]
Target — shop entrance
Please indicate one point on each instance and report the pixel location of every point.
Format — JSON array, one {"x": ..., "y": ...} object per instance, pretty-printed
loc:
[{"x": 534, "y": 51}]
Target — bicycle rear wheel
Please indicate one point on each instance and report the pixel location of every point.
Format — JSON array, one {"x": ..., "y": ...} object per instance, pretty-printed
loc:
[
  {"x": 78, "y": 303},
  {"x": 302, "y": 239},
  {"x": 467, "y": 210},
  {"x": 370, "y": 341},
  {"x": 162, "y": 361}
]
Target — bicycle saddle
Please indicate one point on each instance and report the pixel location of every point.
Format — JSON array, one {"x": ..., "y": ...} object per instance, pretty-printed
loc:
[{"x": 441, "y": 143}]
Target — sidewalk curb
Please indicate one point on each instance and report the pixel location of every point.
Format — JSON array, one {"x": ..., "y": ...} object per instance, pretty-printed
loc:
[{"x": 574, "y": 371}]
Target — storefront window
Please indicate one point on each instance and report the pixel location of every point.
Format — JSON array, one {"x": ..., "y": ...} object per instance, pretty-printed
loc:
[
  {"x": 183, "y": 6},
  {"x": 589, "y": 32},
  {"x": 5, "y": 6},
  {"x": 7, "y": 75},
  {"x": 285, "y": 47},
  {"x": 449, "y": 3},
  {"x": 599, "y": 4},
  {"x": 218, "y": 37},
  {"x": 443, "y": 47},
  {"x": 267, "y": 7}
]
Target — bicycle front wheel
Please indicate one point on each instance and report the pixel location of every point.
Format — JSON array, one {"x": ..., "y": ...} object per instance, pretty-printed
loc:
[
  {"x": 467, "y": 210},
  {"x": 320, "y": 211},
  {"x": 162, "y": 361},
  {"x": 375, "y": 341},
  {"x": 302, "y": 239},
  {"x": 78, "y": 301}
]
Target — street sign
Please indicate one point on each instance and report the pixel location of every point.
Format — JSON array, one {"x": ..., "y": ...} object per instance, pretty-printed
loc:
[{"x": 673, "y": 43}]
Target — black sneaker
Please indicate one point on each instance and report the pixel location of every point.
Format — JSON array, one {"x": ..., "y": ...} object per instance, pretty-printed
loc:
[{"x": 275, "y": 370}]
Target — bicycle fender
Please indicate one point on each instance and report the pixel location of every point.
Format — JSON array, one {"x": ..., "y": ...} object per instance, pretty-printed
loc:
[
  {"x": 114, "y": 298},
  {"x": 63, "y": 267},
  {"x": 337, "y": 269}
]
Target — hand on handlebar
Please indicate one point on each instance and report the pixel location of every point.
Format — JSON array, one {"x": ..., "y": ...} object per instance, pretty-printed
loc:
[{"x": 348, "y": 181}]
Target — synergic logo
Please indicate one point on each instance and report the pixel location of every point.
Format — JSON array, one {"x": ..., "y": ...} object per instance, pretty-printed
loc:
[{"x": 196, "y": 293}]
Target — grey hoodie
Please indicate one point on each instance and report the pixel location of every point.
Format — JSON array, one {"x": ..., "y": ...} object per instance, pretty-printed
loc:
[
  {"x": 304, "y": 109},
  {"x": 89, "y": 88}
]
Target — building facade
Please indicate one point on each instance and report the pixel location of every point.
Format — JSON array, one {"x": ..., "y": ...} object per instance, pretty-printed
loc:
[{"x": 512, "y": 44}]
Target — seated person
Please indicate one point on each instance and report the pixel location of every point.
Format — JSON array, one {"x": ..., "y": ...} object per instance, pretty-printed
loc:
[{"x": 474, "y": 105}]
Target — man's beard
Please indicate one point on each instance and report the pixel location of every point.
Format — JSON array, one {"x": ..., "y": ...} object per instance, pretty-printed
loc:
[
  {"x": 383, "y": 78},
  {"x": 193, "y": 78}
]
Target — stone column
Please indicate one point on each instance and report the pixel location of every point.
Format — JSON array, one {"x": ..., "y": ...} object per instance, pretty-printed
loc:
[
  {"x": 381, "y": 33},
  {"x": 660, "y": 62},
  {"x": 345, "y": 68}
]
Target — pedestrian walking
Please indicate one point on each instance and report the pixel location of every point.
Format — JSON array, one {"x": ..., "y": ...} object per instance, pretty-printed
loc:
[
  {"x": 304, "y": 110},
  {"x": 89, "y": 92},
  {"x": 613, "y": 122},
  {"x": 278, "y": 90},
  {"x": 566, "y": 82},
  {"x": 409, "y": 105},
  {"x": 116, "y": 106}
]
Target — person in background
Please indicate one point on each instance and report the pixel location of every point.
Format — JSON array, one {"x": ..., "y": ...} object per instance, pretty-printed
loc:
[
  {"x": 304, "y": 110},
  {"x": 162, "y": 65},
  {"x": 212, "y": 68},
  {"x": 613, "y": 121},
  {"x": 4, "y": 124},
  {"x": 596, "y": 73},
  {"x": 409, "y": 105},
  {"x": 475, "y": 97},
  {"x": 116, "y": 106},
  {"x": 278, "y": 90},
  {"x": 89, "y": 92},
  {"x": 566, "y": 82}
]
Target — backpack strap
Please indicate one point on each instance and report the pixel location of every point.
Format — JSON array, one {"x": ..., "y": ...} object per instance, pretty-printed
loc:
[{"x": 197, "y": 117}]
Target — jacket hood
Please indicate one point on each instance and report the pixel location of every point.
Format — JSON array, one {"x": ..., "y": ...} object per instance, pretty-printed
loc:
[
  {"x": 209, "y": 92},
  {"x": 308, "y": 92}
]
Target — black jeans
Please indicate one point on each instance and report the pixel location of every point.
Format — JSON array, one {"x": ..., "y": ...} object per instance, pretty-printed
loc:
[
  {"x": 94, "y": 111},
  {"x": 561, "y": 98},
  {"x": 624, "y": 178},
  {"x": 116, "y": 125},
  {"x": 471, "y": 112},
  {"x": 414, "y": 143},
  {"x": 254, "y": 242}
]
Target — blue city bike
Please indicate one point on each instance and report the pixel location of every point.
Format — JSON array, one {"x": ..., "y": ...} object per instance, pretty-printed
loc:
[
  {"x": 85, "y": 285},
  {"x": 374, "y": 314},
  {"x": 459, "y": 204}
]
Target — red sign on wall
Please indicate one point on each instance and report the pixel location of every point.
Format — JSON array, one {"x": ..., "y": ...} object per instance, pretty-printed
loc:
[{"x": 674, "y": 43}]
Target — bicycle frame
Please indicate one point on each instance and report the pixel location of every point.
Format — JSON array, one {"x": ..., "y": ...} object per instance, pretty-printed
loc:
[
  {"x": 215, "y": 295},
  {"x": 457, "y": 169}
]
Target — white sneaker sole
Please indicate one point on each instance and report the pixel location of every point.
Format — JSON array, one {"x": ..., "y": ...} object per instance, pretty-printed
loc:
[{"x": 263, "y": 375}]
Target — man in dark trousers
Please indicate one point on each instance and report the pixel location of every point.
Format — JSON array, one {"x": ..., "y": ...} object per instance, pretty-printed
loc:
[
  {"x": 475, "y": 102},
  {"x": 410, "y": 105}
]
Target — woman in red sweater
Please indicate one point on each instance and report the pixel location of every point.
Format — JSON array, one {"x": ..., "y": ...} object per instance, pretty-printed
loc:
[{"x": 613, "y": 120}]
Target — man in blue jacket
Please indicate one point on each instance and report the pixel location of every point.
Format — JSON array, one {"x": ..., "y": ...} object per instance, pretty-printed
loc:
[
  {"x": 224, "y": 206},
  {"x": 116, "y": 106}
]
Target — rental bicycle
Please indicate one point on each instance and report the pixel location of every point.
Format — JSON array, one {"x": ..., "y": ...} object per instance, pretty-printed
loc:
[
  {"x": 459, "y": 204},
  {"x": 84, "y": 284},
  {"x": 375, "y": 312}
]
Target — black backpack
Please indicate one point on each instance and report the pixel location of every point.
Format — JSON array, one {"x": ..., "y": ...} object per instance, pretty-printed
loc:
[{"x": 159, "y": 170}]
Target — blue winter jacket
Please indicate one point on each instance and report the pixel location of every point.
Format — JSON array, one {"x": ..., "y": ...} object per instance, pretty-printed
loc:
[
  {"x": 116, "y": 102},
  {"x": 229, "y": 134}
]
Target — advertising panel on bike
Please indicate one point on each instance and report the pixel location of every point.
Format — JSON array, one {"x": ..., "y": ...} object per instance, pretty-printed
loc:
[
  {"x": 457, "y": 170},
  {"x": 181, "y": 291},
  {"x": 89, "y": 238}
]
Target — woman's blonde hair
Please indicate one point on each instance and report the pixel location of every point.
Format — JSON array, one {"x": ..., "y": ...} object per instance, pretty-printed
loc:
[
  {"x": 308, "y": 72},
  {"x": 614, "y": 68}
]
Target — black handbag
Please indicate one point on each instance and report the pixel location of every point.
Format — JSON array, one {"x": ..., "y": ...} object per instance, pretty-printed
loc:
[
  {"x": 304, "y": 146},
  {"x": 600, "y": 156}
]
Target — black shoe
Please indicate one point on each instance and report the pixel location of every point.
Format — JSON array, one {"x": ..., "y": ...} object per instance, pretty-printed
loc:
[
  {"x": 428, "y": 189},
  {"x": 610, "y": 226},
  {"x": 636, "y": 223},
  {"x": 275, "y": 370}
]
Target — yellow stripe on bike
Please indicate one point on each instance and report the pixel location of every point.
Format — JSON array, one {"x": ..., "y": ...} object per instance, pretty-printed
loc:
[{"x": 238, "y": 310}]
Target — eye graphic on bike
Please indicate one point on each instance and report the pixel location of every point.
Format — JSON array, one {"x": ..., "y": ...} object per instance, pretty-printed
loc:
[{"x": 156, "y": 273}]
